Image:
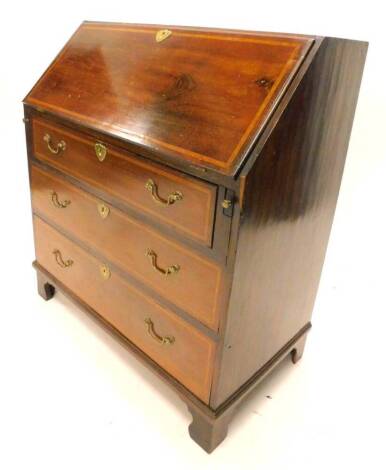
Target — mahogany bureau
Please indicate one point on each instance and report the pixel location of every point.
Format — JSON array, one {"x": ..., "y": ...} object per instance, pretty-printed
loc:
[{"x": 183, "y": 185}]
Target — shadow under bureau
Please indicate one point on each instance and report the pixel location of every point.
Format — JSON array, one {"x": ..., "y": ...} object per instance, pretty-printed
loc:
[{"x": 183, "y": 187}]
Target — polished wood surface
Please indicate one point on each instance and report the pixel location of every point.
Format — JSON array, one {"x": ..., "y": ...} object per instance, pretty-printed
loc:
[
  {"x": 125, "y": 177},
  {"x": 125, "y": 242},
  {"x": 189, "y": 358},
  {"x": 199, "y": 95},
  {"x": 289, "y": 202},
  {"x": 253, "y": 129}
]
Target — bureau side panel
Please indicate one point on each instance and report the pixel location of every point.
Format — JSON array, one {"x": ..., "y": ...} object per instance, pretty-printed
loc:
[{"x": 290, "y": 198}]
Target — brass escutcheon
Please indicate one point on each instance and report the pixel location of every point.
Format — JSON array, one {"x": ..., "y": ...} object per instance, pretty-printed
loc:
[
  {"x": 105, "y": 272},
  {"x": 162, "y": 34},
  {"x": 171, "y": 199},
  {"x": 61, "y": 146},
  {"x": 100, "y": 151},
  {"x": 103, "y": 210},
  {"x": 167, "y": 340}
]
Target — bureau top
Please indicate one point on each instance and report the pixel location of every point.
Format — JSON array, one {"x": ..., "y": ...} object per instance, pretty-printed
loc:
[{"x": 196, "y": 95}]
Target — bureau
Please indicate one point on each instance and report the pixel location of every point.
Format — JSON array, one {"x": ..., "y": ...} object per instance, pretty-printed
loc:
[{"x": 183, "y": 185}]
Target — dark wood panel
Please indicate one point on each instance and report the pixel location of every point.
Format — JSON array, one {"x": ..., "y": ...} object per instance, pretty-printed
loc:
[
  {"x": 200, "y": 95},
  {"x": 189, "y": 357},
  {"x": 125, "y": 177},
  {"x": 289, "y": 203},
  {"x": 125, "y": 242}
]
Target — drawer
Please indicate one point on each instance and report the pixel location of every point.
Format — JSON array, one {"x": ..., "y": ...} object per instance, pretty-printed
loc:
[
  {"x": 171, "y": 198},
  {"x": 176, "y": 346},
  {"x": 184, "y": 278}
]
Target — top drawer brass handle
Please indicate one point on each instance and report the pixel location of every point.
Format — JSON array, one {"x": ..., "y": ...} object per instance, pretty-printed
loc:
[
  {"x": 160, "y": 339},
  {"x": 55, "y": 201},
  {"x": 171, "y": 199},
  {"x": 173, "y": 269},
  {"x": 60, "y": 261},
  {"x": 61, "y": 147}
]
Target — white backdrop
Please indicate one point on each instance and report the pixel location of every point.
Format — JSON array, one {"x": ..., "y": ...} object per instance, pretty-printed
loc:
[{"x": 71, "y": 398}]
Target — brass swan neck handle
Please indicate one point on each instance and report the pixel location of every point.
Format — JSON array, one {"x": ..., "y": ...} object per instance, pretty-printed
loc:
[
  {"x": 60, "y": 147},
  {"x": 60, "y": 261},
  {"x": 175, "y": 196},
  {"x": 173, "y": 269},
  {"x": 167, "y": 340},
  {"x": 55, "y": 201}
]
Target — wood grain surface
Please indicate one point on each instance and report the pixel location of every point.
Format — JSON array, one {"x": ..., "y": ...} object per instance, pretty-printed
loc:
[
  {"x": 189, "y": 359},
  {"x": 125, "y": 242},
  {"x": 199, "y": 95},
  {"x": 289, "y": 202},
  {"x": 123, "y": 176}
]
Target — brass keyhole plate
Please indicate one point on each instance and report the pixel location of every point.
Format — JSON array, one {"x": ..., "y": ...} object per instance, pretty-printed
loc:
[
  {"x": 100, "y": 151},
  {"x": 162, "y": 34},
  {"x": 103, "y": 210},
  {"x": 105, "y": 271}
]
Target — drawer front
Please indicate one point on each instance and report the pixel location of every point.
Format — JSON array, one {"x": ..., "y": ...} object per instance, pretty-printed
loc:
[
  {"x": 175, "y": 345},
  {"x": 169, "y": 197},
  {"x": 191, "y": 282}
]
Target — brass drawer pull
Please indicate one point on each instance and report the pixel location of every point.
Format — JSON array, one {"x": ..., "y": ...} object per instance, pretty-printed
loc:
[
  {"x": 160, "y": 339},
  {"x": 173, "y": 269},
  {"x": 55, "y": 201},
  {"x": 172, "y": 198},
  {"x": 61, "y": 146},
  {"x": 100, "y": 151},
  {"x": 60, "y": 261}
]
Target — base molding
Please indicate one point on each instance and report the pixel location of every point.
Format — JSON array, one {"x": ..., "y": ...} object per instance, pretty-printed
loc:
[{"x": 209, "y": 426}]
